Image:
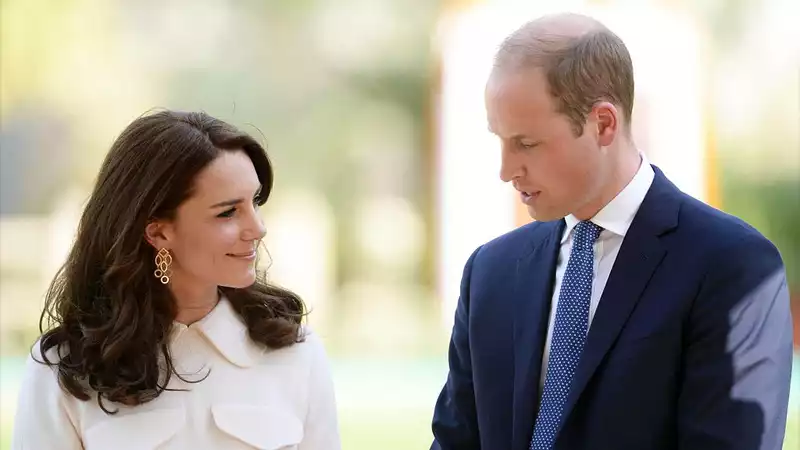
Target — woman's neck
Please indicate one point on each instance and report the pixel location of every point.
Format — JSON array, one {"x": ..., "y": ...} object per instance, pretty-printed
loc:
[{"x": 193, "y": 303}]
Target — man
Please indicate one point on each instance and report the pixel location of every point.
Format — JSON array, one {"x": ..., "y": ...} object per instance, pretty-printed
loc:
[{"x": 628, "y": 315}]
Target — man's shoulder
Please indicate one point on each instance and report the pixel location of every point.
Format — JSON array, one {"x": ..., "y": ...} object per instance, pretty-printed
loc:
[
  {"x": 711, "y": 222},
  {"x": 519, "y": 241},
  {"x": 715, "y": 229}
]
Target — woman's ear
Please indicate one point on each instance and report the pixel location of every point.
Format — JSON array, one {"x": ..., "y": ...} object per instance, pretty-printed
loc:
[{"x": 154, "y": 234}]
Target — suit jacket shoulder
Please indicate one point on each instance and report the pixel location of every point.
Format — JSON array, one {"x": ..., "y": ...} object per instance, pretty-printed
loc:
[
  {"x": 715, "y": 230},
  {"x": 518, "y": 242},
  {"x": 723, "y": 248}
]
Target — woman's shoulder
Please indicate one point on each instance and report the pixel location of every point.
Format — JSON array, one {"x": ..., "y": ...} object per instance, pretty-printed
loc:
[
  {"x": 309, "y": 348},
  {"x": 310, "y": 342},
  {"x": 315, "y": 355},
  {"x": 309, "y": 336},
  {"x": 40, "y": 363},
  {"x": 50, "y": 356},
  {"x": 40, "y": 375}
]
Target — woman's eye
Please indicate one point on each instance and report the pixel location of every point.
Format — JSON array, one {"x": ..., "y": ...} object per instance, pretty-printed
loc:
[
  {"x": 228, "y": 213},
  {"x": 231, "y": 212}
]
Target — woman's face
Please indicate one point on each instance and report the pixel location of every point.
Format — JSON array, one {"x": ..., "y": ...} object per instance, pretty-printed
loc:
[{"x": 214, "y": 237}]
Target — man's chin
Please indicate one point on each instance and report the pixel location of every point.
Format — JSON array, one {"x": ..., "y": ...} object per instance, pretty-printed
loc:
[{"x": 543, "y": 215}]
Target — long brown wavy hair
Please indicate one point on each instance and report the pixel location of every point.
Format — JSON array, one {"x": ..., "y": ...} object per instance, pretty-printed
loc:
[{"x": 108, "y": 317}]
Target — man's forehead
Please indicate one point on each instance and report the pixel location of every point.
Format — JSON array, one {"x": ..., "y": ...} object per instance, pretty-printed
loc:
[
  {"x": 527, "y": 87},
  {"x": 527, "y": 78}
]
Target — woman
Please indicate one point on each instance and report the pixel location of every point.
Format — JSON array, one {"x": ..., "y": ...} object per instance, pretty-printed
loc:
[{"x": 161, "y": 334}]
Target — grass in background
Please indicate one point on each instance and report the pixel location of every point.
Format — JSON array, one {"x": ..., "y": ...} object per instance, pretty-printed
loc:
[
  {"x": 387, "y": 430},
  {"x": 408, "y": 430},
  {"x": 389, "y": 405}
]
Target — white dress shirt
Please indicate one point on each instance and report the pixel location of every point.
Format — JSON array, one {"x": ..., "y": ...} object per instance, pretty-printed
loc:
[
  {"x": 615, "y": 219},
  {"x": 251, "y": 399}
]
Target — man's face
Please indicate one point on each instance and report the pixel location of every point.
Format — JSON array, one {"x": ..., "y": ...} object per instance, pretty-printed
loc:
[{"x": 556, "y": 172}]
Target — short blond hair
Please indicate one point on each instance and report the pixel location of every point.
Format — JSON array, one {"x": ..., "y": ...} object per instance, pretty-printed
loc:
[{"x": 584, "y": 62}]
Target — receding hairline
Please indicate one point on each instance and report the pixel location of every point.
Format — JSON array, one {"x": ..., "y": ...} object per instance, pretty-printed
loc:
[
  {"x": 583, "y": 62},
  {"x": 531, "y": 44}
]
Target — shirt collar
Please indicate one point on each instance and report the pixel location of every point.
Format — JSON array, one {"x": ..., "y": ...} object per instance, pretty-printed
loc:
[
  {"x": 228, "y": 334},
  {"x": 618, "y": 214}
]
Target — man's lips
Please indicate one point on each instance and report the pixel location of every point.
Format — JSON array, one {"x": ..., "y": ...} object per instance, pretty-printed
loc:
[{"x": 527, "y": 196}]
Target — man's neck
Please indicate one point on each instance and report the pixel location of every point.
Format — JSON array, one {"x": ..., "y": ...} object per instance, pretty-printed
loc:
[{"x": 622, "y": 172}]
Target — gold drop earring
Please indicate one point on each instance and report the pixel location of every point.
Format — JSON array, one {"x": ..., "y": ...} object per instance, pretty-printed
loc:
[{"x": 163, "y": 262}]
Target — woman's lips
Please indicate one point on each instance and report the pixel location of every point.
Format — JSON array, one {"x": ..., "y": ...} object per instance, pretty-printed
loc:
[{"x": 246, "y": 255}]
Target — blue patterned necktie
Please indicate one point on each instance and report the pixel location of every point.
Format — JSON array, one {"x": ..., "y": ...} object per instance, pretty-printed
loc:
[{"x": 569, "y": 334}]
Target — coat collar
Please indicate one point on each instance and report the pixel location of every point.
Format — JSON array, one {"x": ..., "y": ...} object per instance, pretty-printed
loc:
[{"x": 227, "y": 333}]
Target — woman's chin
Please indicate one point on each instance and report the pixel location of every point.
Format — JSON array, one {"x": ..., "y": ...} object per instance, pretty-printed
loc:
[{"x": 240, "y": 282}]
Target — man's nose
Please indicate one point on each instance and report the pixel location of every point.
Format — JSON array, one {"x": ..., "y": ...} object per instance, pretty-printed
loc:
[{"x": 510, "y": 167}]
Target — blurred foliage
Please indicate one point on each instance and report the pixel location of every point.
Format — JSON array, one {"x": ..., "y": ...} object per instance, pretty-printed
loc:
[
  {"x": 725, "y": 19},
  {"x": 338, "y": 90},
  {"x": 759, "y": 156},
  {"x": 773, "y": 207}
]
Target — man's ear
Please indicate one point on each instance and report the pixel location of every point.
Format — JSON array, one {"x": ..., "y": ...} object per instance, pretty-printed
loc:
[
  {"x": 607, "y": 122},
  {"x": 156, "y": 234}
]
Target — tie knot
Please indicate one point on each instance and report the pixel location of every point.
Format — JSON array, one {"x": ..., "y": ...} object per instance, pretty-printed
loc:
[{"x": 586, "y": 233}]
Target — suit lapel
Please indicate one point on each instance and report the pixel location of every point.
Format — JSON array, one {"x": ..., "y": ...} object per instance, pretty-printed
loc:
[
  {"x": 533, "y": 291},
  {"x": 638, "y": 258}
]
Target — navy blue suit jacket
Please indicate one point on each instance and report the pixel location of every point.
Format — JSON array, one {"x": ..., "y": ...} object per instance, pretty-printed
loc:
[{"x": 690, "y": 347}]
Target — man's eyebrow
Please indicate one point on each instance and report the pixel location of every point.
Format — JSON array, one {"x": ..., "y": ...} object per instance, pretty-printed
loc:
[{"x": 517, "y": 136}]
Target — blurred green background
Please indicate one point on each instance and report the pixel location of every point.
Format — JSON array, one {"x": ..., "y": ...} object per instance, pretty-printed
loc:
[{"x": 347, "y": 96}]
